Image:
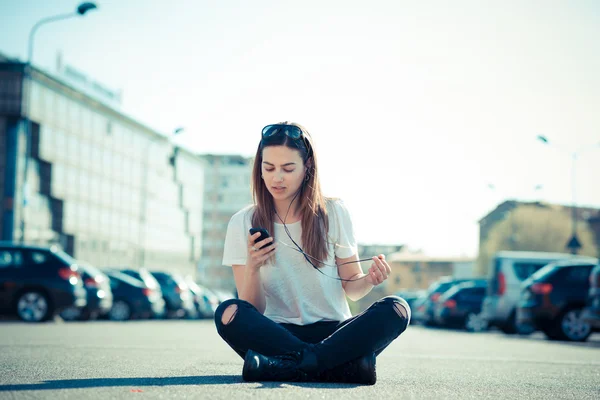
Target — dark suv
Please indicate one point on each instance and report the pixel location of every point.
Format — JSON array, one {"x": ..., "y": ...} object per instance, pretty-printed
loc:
[
  {"x": 132, "y": 298},
  {"x": 434, "y": 292},
  {"x": 552, "y": 300},
  {"x": 151, "y": 283},
  {"x": 460, "y": 306},
  {"x": 179, "y": 300},
  {"x": 37, "y": 282}
]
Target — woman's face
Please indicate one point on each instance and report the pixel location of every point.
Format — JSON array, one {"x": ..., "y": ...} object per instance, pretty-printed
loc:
[{"x": 282, "y": 171}]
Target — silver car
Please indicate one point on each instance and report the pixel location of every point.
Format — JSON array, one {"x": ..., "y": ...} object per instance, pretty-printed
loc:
[{"x": 508, "y": 270}]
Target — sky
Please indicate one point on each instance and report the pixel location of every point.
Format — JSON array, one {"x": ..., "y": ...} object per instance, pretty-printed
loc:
[{"x": 424, "y": 114}]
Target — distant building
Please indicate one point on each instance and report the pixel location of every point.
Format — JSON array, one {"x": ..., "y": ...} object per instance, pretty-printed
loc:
[
  {"x": 589, "y": 215},
  {"x": 585, "y": 215},
  {"x": 103, "y": 186},
  {"x": 371, "y": 250},
  {"x": 226, "y": 191},
  {"x": 418, "y": 271}
]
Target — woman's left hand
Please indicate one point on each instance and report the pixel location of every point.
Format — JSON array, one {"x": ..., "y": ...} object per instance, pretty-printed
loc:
[{"x": 379, "y": 271}]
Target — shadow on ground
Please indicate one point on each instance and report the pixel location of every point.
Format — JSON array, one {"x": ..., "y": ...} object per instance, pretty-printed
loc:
[{"x": 170, "y": 381}]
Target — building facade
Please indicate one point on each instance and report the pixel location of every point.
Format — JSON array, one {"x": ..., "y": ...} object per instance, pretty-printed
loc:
[
  {"x": 107, "y": 189},
  {"x": 418, "y": 271},
  {"x": 372, "y": 250},
  {"x": 585, "y": 217},
  {"x": 226, "y": 191}
]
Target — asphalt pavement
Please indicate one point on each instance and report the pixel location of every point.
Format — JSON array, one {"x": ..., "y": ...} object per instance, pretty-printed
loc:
[{"x": 187, "y": 359}]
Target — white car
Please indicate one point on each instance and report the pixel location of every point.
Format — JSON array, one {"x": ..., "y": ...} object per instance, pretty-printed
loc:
[{"x": 508, "y": 270}]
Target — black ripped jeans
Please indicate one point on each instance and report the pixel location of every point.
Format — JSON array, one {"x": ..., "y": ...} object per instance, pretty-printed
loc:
[{"x": 333, "y": 342}]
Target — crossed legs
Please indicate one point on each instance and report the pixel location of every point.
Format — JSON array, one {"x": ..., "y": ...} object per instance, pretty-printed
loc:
[{"x": 243, "y": 328}]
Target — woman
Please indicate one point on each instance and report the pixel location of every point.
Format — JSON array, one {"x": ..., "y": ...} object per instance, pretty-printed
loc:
[{"x": 292, "y": 321}]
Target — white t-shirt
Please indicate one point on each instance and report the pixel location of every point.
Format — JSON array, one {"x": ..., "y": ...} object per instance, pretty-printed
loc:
[{"x": 295, "y": 291}]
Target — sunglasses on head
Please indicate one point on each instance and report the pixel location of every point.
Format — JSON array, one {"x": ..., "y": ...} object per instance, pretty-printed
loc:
[{"x": 291, "y": 131}]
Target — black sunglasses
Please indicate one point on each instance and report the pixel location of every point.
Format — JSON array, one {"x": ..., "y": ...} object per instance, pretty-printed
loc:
[{"x": 291, "y": 131}]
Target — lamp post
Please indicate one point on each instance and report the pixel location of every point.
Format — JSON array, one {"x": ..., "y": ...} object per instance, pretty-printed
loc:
[
  {"x": 144, "y": 195},
  {"x": 573, "y": 243},
  {"x": 82, "y": 9}
]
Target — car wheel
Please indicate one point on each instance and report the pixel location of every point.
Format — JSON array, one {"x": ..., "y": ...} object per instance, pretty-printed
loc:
[
  {"x": 120, "y": 311},
  {"x": 475, "y": 323},
  {"x": 572, "y": 327},
  {"x": 33, "y": 306}
]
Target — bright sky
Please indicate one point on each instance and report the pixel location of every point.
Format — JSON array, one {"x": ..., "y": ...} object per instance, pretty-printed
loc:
[{"x": 415, "y": 107}]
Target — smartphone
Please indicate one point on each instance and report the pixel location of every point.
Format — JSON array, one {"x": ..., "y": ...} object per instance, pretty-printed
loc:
[{"x": 263, "y": 234}]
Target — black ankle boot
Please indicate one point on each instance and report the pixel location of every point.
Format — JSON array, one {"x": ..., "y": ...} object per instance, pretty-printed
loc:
[
  {"x": 360, "y": 370},
  {"x": 285, "y": 368}
]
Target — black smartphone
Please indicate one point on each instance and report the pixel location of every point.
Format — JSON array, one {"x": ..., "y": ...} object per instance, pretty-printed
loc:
[{"x": 263, "y": 234}]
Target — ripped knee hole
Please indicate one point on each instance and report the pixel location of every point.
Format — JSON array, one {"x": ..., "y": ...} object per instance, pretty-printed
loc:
[
  {"x": 229, "y": 314},
  {"x": 401, "y": 310}
]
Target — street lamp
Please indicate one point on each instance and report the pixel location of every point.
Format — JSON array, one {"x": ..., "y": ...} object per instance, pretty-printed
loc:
[
  {"x": 573, "y": 243},
  {"x": 82, "y": 9},
  {"x": 144, "y": 196}
]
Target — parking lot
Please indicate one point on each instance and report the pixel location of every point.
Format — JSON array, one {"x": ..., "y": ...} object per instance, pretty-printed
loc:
[{"x": 186, "y": 359}]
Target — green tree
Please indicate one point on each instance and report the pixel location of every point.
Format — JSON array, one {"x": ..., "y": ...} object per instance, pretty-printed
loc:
[{"x": 532, "y": 228}]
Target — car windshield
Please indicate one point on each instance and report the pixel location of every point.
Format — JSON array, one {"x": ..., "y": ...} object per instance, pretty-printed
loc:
[
  {"x": 450, "y": 292},
  {"x": 165, "y": 279},
  {"x": 148, "y": 279},
  {"x": 65, "y": 257},
  {"x": 434, "y": 286},
  {"x": 443, "y": 287},
  {"x": 542, "y": 272},
  {"x": 91, "y": 270},
  {"x": 126, "y": 278},
  {"x": 193, "y": 285}
]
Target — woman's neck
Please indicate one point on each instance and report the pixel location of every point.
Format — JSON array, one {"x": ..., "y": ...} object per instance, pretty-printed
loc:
[{"x": 286, "y": 216}]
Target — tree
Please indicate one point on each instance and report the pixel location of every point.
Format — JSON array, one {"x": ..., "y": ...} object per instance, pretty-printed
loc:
[{"x": 534, "y": 228}]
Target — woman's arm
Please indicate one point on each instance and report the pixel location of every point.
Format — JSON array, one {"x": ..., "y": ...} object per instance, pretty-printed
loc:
[
  {"x": 362, "y": 283},
  {"x": 247, "y": 277},
  {"x": 249, "y": 286},
  {"x": 358, "y": 288}
]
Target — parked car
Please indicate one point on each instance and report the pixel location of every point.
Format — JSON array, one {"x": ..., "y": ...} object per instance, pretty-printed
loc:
[
  {"x": 132, "y": 298},
  {"x": 460, "y": 306},
  {"x": 149, "y": 280},
  {"x": 37, "y": 283},
  {"x": 591, "y": 313},
  {"x": 410, "y": 296},
  {"x": 205, "y": 301},
  {"x": 508, "y": 271},
  {"x": 418, "y": 309},
  {"x": 553, "y": 298},
  {"x": 99, "y": 295},
  {"x": 223, "y": 294},
  {"x": 178, "y": 297},
  {"x": 435, "y": 290}
]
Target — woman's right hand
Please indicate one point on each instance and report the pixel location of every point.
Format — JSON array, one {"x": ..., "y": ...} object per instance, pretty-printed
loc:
[{"x": 259, "y": 252}]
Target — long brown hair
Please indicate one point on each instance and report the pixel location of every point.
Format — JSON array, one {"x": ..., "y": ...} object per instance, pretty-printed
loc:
[{"x": 310, "y": 200}]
